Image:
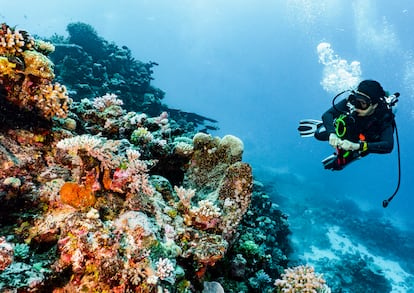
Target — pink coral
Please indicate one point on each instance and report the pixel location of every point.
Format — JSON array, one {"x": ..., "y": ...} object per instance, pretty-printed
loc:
[
  {"x": 6, "y": 254},
  {"x": 106, "y": 101},
  {"x": 185, "y": 195},
  {"x": 206, "y": 215}
]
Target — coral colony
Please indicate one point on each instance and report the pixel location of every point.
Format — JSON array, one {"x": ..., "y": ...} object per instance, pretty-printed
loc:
[{"x": 96, "y": 198}]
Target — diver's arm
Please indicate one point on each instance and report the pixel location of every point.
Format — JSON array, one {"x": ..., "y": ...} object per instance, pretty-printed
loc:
[
  {"x": 329, "y": 116},
  {"x": 385, "y": 144}
]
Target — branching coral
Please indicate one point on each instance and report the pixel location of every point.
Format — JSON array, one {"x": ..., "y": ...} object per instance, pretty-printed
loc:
[
  {"x": 106, "y": 101},
  {"x": 27, "y": 75},
  {"x": 206, "y": 215},
  {"x": 51, "y": 100},
  {"x": 185, "y": 195},
  {"x": 141, "y": 135},
  {"x": 13, "y": 41},
  {"x": 6, "y": 254},
  {"x": 102, "y": 149},
  {"x": 165, "y": 268},
  {"x": 138, "y": 173},
  {"x": 260, "y": 280},
  {"x": 44, "y": 47},
  {"x": 183, "y": 149},
  {"x": 301, "y": 279}
]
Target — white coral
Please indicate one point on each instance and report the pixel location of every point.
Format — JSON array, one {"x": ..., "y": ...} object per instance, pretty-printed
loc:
[
  {"x": 302, "y": 279},
  {"x": 107, "y": 100},
  {"x": 98, "y": 147},
  {"x": 165, "y": 268},
  {"x": 206, "y": 209},
  {"x": 207, "y": 214},
  {"x": 185, "y": 195}
]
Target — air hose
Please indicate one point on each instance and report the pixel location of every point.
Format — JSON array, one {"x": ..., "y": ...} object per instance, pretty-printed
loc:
[{"x": 386, "y": 202}]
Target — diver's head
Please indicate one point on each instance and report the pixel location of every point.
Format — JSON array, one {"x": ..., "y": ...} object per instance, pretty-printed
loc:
[{"x": 366, "y": 97}]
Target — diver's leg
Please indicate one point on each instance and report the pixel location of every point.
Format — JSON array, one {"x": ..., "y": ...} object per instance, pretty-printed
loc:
[{"x": 321, "y": 133}]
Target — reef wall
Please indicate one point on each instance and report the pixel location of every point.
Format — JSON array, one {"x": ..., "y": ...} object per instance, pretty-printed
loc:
[{"x": 98, "y": 197}]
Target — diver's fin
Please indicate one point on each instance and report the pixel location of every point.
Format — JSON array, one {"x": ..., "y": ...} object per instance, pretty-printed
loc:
[
  {"x": 330, "y": 163},
  {"x": 308, "y": 127},
  {"x": 339, "y": 161}
]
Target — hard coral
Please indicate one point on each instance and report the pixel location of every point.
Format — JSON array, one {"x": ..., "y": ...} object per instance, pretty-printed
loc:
[
  {"x": 13, "y": 41},
  {"x": 206, "y": 214},
  {"x": 211, "y": 158},
  {"x": 44, "y": 47},
  {"x": 301, "y": 279},
  {"x": 206, "y": 249},
  {"x": 111, "y": 243},
  {"x": 222, "y": 186},
  {"x": 7, "y": 67},
  {"x": 78, "y": 196},
  {"x": 38, "y": 65},
  {"x": 6, "y": 254},
  {"x": 27, "y": 74},
  {"x": 52, "y": 100},
  {"x": 235, "y": 192},
  {"x": 86, "y": 36},
  {"x": 106, "y": 101}
]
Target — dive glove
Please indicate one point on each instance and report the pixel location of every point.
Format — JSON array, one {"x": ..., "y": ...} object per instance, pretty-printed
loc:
[
  {"x": 334, "y": 140},
  {"x": 349, "y": 145}
]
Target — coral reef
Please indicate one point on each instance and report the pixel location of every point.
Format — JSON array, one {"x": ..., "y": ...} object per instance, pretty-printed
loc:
[
  {"x": 27, "y": 74},
  {"x": 260, "y": 249},
  {"x": 98, "y": 198},
  {"x": 89, "y": 65}
]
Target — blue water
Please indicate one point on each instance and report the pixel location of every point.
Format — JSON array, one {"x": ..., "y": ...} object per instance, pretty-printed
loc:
[{"x": 254, "y": 66}]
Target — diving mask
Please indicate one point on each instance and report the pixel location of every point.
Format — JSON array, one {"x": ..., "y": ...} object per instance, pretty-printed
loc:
[{"x": 359, "y": 100}]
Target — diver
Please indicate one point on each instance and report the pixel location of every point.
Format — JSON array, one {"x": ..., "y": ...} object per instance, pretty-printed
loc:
[{"x": 362, "y": 123}]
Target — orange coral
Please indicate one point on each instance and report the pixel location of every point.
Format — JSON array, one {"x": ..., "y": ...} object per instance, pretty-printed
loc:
[
  {"x": 78, "y": 196},
  {"x": 106, "y": 180}
]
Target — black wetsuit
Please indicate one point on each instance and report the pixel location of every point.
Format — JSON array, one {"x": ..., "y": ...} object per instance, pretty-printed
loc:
[{"x": 377, "y": 129}]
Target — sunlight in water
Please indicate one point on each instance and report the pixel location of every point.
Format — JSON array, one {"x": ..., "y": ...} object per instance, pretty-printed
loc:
[
  {"x": 308, "y": 13},
  {"x": 408, "y": 81},
  {"x": 373, "y": 31}
]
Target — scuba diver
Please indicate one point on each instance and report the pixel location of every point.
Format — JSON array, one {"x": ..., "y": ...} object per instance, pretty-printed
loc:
[{"x": 361, "y": 124}]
